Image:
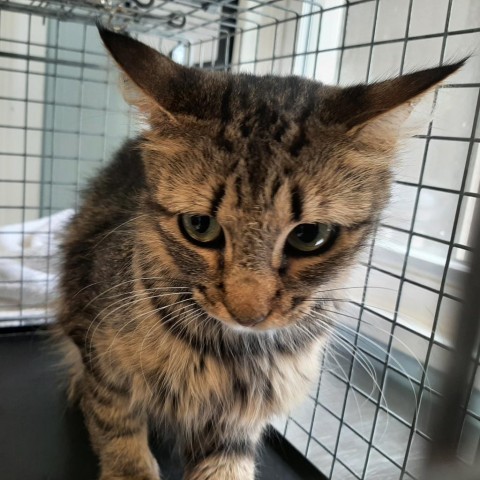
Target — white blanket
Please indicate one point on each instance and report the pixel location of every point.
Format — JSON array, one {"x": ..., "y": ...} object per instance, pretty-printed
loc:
[{"x": 29, "y": 266}]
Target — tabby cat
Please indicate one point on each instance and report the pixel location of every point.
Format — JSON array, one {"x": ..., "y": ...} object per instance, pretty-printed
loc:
[{"x": 194, "y": 271}]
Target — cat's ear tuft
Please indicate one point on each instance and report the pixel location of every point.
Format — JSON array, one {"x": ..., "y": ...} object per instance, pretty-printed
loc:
[
  {"x": 148, "y": 70},
  {"x": 380, "y": 109},
  {"x": 159, "y": 84}
]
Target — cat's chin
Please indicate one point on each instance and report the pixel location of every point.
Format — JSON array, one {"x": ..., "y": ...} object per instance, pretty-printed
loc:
[
  {"x": 231, "y": 324},
  {"x": 266, "y": 327},
  {"x": 241, "y": 328}
]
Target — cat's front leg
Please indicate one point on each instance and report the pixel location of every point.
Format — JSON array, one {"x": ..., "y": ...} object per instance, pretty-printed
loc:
[
  {"x": 223, "y": 467},
  {"x": 118, "y": 431},
  {"x": 227, "y": 460}
]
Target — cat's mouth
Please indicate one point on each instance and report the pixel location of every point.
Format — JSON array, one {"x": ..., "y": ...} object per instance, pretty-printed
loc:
[
  {"x": 221, "y": 314},
  {"x": 275, "y": 318}
]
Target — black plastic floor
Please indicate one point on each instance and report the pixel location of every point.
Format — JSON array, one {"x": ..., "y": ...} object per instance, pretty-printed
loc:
[{"x": 41, "y": 438}]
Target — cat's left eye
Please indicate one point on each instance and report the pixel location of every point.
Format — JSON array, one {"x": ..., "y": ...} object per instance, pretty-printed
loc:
[
  {"x": 202, "y": 230},
  {"x": 311, "y": 238}
]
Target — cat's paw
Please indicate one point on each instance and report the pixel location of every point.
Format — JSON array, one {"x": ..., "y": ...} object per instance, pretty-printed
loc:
[
  {"x": 130, "y": 477},
  {"x": 223, "y": 468},
  {"x": 152, "y": 474},
  {"x": 137, "y": 476}
]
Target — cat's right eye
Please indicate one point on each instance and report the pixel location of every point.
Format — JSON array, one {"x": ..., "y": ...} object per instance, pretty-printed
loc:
[
  {"x": 202, "y": 230},
  {"x": 311, "y": 239}
]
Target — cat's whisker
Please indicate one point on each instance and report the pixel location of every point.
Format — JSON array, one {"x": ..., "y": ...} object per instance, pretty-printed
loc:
[
  {"x": 122, "y": 302},
  {"x": 333, "y": 333},
  {"x": 362, "y": 287},
  {"x": 402, "y": 343},
  {"x": 122, "y": 305},
  {"x": 189, "y": 320},
  {"x": 171, "y": 291},
  {"x": 359, "y": 354},
  {"x": 176, "y": 291},
  {"x": 359, "y": 407},
  {"x": 117, "y": 228},
  {"x": 159, "y": 309},
  {"x": 125, "y": 282},
  {"x": 376, "y": 308},
  {"x": 363, "y": 361},
  {"x": 333, "y": 330},
  {"x": 328, "y": 299},
  {"x": 375, "y": 344},
  {"x": 307, "y": 332},
  {"x": 190, "y": 313},
  {"x": 147, "y": 334},
  {"x": 395, "y": 361},
  {"x": 134, "y": 319},
  {"x": 131, "y": 299},
  {"x": 190, "y": 310},
  {"x": 140, "y": 295},
  {"x": 404, "y": 372},
  {"x": 182, "y": 325},
  {"x": 185, "y": 312}
]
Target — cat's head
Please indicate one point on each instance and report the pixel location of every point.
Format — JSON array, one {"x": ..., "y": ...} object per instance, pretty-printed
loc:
[{"x": 262, "y": 190}]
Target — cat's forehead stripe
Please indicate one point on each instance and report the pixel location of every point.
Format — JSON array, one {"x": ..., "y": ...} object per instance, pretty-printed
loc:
[
  {"x": 238, "y": 190},
  {"x": 276, "y": 184},
  {"x": 296, "y": 203},
  {"x": 157, "y": 208},
  {"x": 218, "y": 195}
]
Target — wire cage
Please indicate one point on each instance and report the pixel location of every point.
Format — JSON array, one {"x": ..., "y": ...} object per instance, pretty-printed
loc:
[{"x": 61, "y": 117}]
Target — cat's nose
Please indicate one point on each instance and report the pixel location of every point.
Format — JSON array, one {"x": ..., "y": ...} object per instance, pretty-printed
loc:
[{"x": 249, "y": 296}]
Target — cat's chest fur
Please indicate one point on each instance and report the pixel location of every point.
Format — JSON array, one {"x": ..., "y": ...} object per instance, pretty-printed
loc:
[{"x": 176, "y": 381}]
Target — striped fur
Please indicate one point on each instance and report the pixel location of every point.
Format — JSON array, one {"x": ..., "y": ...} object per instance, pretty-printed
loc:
[{"x": 154, "y": 325}]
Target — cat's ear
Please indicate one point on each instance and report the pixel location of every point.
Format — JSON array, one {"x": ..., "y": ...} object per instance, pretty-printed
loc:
[
  {"x": 158, "y": 82},
  {"x": 377, "y": 111}
]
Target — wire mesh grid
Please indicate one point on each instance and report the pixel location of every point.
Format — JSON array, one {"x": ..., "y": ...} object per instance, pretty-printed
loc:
[{"x": 61, "y": 116}]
